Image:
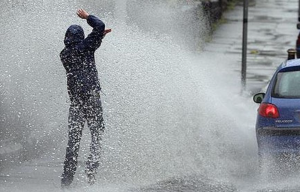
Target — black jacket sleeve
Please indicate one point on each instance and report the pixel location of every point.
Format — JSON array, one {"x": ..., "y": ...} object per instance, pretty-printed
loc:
[{"x": 94, "y": 39}]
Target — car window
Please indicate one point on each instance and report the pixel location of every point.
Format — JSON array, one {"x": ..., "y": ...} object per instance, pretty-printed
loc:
[{"x": 287, "y": 85}]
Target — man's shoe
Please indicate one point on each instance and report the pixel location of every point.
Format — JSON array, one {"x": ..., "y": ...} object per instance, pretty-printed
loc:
[
  {"x": 66, "y": 181},
  {"x": 91, "y": 177}
]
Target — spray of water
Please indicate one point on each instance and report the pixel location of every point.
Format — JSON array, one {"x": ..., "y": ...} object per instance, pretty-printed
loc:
[{"x": 168, "y": 111}]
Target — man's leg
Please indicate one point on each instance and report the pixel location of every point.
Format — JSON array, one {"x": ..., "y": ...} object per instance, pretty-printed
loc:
[
  {"x": 96, "y": 126},
  {"x": 75, "y": 126}
]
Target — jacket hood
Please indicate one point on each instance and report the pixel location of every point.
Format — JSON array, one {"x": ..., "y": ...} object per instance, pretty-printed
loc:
[{"x": 74, "y": 34}]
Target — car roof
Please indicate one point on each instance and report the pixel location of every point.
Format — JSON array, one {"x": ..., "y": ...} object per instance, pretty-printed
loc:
[{"x": 290, "y": 65}]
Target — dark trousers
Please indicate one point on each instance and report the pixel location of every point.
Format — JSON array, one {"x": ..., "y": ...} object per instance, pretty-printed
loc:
[{"x": 84, "y": 108}]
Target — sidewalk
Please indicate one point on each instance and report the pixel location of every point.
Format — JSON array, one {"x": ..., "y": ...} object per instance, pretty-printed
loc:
[{"x": 271, "y": 32}]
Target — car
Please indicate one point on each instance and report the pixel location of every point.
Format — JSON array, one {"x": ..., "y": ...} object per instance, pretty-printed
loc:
[{"x": 278, "y": 118}]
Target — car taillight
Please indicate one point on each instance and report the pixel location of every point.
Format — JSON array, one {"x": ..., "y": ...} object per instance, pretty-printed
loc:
[{"x": 268, "y": 110}]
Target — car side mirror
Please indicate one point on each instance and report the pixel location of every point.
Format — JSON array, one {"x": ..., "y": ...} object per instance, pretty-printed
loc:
[{"x": 258, "y": 98}]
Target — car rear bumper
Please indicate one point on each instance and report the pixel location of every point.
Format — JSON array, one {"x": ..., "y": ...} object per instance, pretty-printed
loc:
[
  {"x": 278, "y": 140},
  {"x": 274, "y": 131}
]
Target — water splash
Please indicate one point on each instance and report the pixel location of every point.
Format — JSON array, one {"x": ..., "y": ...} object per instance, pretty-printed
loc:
[{"x": 167, "y": 112}]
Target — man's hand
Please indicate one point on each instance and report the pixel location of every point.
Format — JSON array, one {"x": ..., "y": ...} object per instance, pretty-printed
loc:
[
  {"x": 106, "y": 31},
  {"x": 82, "y": 14}
]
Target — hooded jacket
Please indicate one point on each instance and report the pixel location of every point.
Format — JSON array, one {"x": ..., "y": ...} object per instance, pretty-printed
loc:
[{"x": 78, "y": 57}]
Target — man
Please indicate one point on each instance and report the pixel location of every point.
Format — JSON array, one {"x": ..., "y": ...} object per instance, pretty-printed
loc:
[{"x": 84, "y": 91}]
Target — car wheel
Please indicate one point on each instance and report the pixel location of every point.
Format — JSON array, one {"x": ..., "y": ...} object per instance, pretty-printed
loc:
[{"x": 267, "y": 167}]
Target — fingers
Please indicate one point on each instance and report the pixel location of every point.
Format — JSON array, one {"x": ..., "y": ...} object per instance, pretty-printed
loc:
[
  {"x": 79, "y": 11},
  {"x": 107, "y": 31},
  {"x": 82, "y": 14}
]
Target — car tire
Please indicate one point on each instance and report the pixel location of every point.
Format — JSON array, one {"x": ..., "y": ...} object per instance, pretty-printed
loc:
[{"x": 267, "y": 166}]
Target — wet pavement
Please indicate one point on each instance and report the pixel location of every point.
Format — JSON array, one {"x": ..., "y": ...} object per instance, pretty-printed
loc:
[
  {"x": 271, "y": 32},
  {"x": 189, "y": 184}
]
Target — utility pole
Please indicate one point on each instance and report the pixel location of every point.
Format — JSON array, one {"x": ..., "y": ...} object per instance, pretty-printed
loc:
[
  {"x": 299, "y": 11},
  {"x": 298, "y": 24},
  {"x": 244, "y": 51}
]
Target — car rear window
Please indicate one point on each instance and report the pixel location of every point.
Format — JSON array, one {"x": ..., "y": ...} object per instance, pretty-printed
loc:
[{"x": 287, "y": 85}]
